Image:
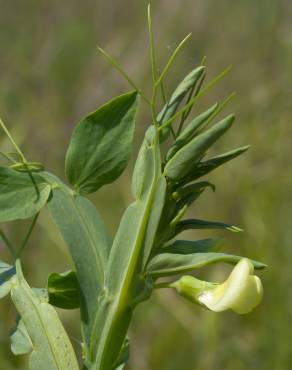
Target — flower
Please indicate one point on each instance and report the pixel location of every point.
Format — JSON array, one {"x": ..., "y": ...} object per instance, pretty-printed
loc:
[{"x": 241, "y": 292}]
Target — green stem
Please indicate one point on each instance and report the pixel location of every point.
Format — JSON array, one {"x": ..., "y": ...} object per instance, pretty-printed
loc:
[
  {"x": 152, "y": 46},
  {"x": 115, "y": 308},
  {"x": 6, "y": 156},
  {"x": 172, "y": 59},
  {"x": 24, "y": 243},
  {"x": 33, "y": 181},
  {"x": 157, "y": 83},
  {"x": 123, "y": 73},
  {"x": 8, "y": 244},
  {"x": 162, "y": 285},
  {"x": 5, "y": 129},
  {"x": 163, "y": 94}
]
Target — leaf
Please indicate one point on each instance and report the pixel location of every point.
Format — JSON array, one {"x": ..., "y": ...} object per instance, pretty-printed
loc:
[
  {"x": 85, "y": 236},
  {"x": 188, "y": 83},
  {"x": 20, "y": 340},
  {"x": 168, "y": 231},
  {"x": 167, "y": 264},
  {"x": 193, "y": 246},
  {"x": 64, "y": 290},
  {"x": 131, "y": 245},
  {"x": 51, "y": 347},
  {"x": 101, "y": 144},
  {"x": 20, "y": 197},
  {"x": 189, "y": 132},
  {"x": 211, "y": 164},
  {"x": 180, "y": 164},
  {"x": 194, "y": 224}
]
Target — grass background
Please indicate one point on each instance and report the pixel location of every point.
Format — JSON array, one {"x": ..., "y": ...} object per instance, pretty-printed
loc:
[{"x": 52, "y": 75}]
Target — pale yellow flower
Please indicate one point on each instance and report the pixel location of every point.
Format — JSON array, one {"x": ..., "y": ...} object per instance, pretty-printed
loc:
[{"x": 241, "y": 292}]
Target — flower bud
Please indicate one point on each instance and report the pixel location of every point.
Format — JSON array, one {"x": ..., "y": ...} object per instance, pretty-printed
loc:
[{"x": 241, "y": 292}]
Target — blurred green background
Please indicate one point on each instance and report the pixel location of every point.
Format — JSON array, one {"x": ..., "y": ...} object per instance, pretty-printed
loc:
[{"x": 52, "y": 75}]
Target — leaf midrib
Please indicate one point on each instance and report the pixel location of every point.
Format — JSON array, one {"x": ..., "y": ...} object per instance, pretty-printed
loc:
[{"x": 22, "y": 284}]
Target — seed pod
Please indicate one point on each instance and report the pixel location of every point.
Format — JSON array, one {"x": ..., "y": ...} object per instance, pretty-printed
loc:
[{"x": 179, "y": 165}]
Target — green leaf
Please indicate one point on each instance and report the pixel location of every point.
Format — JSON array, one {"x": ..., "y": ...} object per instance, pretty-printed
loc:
[
  {"x": 211, "y": 164},
  {"x": 188, "y": 83},
  {"x": 64, "y": 290},
  {"x": 20, "y": 340},
  {"x": 190, "y": 131},
  {"x": 193, "y": 246},
  {"x": 101, "y": 144},
  {"x": 167, "y": 264},
  {"x": 180, "y": 164},
  {"x": 85, "y": 236},
  {"x": 51, "y": 347},
  {"x": 194, "y": 224},
  {"x": 176, "y": 226},
  {"x": 22, "y": 195}
]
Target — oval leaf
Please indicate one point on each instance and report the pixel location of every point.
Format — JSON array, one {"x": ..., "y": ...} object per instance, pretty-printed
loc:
[
  {"x": 22, "y": 195},
  {"x": 101, "y": 144}
]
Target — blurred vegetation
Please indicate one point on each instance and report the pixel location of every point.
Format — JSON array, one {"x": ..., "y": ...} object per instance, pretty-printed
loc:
[{"x": 51, "y": 75}]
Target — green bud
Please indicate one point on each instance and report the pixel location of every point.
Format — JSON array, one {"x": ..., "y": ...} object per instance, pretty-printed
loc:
[{"x": 241, "y": 292}]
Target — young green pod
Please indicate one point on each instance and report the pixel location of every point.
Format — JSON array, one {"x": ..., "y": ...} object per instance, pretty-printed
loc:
[
  {"x": 179, "y": 165},
  {"x": 177, "y": 96},
  {"x": 189, "y": 132},
  {"x": 211, "y": 164}
]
